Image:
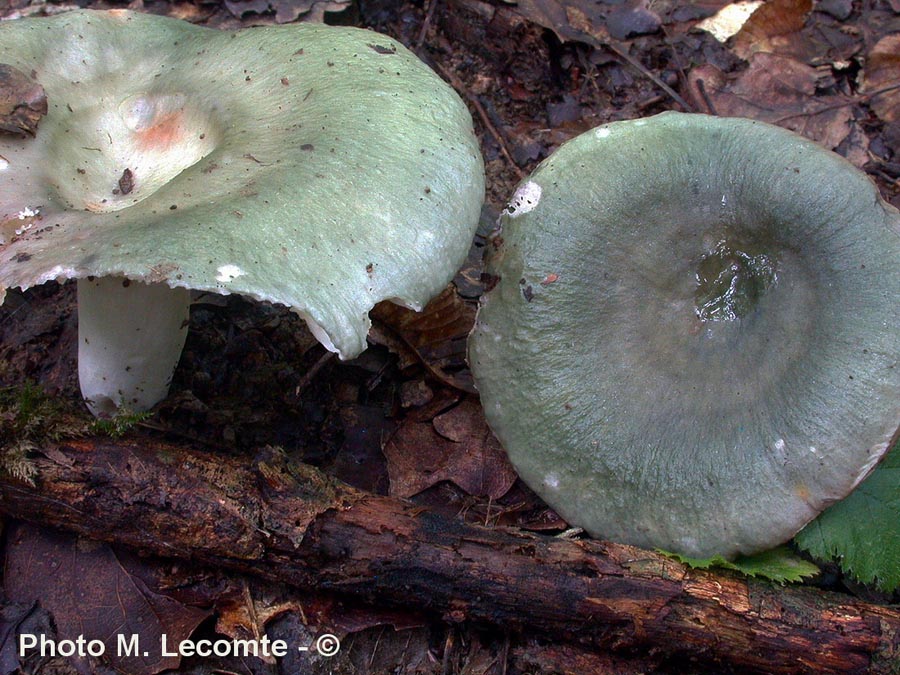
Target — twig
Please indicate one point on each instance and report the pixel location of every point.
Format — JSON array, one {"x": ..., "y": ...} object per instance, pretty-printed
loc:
[
  {"x": 818, "y": 111},
  {"x": 653, "y": 100},
  {"x": 446, "y": 663},
  {"x": 879, "y": 92},
  {"x": 701, "y": 87},
  {"x": 637, "y": 65},
  {"x": 505, "y": 655},
  {"x": 426, "y": 24},
  {"x": 884, "y": 175},
  {"x": 308, "y": 376},
  {"x": 679, "y": 63},
  {"x": 457, "y": 84}
]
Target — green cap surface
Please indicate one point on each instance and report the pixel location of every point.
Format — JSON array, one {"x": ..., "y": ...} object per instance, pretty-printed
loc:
[
  {"x": 693, "y": 341},
  {"x": 322, "y": 168}
]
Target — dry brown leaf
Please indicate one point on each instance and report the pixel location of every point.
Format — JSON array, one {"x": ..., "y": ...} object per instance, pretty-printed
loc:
[
  {"x": 188, "y": 11},
  {"x": 590, "y": 22},
  {"x": 444, "y": 399},
  {"x": 436, "y": 336},
  {"x": 446, "y": 317},
  {"x": 778, "y": 90},
  {"x": 882, "y": 71},
  {"x": 772, "y": 28},
  {"x": 575, "y": 20},
  {"x": 456, "y": 446},
  {"x": 242, "y": 613},
  {"x": 90, "y": 593},
  {"x": 583, "y": 18},
  {"x": 22, "y": 102}
]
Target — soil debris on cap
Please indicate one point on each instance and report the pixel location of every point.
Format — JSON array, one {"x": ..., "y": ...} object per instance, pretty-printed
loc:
[{"x": 23, "y": 102}]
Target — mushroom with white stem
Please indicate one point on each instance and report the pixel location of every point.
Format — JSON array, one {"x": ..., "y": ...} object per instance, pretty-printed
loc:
[
  {"x": 693, "y": 339},
  {"x": 318, "y": 167}
]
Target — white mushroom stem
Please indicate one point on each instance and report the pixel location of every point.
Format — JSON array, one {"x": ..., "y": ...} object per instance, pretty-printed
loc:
[{"x": 130, "y": 337}]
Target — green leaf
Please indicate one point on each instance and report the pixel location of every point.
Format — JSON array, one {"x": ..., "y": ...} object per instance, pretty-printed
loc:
[
  {"x": 778, "y": 564},
  {"x": 863, "y": 531},
  {"x": 120, "y": 424}
]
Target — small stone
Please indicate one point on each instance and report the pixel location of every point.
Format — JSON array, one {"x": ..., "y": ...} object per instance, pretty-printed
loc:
[
  {"x": 415, "y": 393},
  {"x": 627, "y": 21},
  {"x": 839, "y": 9},
  {"x": 567, "y": 110}
]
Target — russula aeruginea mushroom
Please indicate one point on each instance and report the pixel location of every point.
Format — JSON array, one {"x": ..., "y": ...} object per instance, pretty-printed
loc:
[
  {"x": 693, "y": 339},
  {"x": 322, "y": 168}
]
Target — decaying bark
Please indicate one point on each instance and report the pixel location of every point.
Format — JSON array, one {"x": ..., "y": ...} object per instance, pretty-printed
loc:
[{"x": 291, "y": 523}]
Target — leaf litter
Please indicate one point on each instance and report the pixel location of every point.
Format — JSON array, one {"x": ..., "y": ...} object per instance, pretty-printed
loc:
[
  {"x": 89, "y": 593},
  {"x": 455, "y": 446},
  {"x": 831, "y": 78}
]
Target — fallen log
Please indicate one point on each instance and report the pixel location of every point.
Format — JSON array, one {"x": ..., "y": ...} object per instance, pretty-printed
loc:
[{"x": 291, "y": 523}]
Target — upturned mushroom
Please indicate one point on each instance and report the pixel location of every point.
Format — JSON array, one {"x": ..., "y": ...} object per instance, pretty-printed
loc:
[
  {"x": 694, "y": 335},
  {"x": 322, "y": 168}
]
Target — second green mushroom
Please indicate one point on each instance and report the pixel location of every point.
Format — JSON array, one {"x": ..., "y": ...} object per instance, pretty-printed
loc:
[{"x": 694, "y": 336}]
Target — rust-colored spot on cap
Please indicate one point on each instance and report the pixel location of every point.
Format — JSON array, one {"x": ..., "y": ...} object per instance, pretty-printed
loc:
[{"x": 165, "y": 132}]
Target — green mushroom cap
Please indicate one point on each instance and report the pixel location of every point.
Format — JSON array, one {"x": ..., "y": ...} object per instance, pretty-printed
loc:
[
  {"x": 694, "y": 335},
  {"x": 322, "y": 168}
]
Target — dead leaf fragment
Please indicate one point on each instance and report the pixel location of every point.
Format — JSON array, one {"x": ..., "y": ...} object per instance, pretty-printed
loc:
[
  {"x": 772, "y": 27},
  {"x": 90, "y": 593},
  {"x": 445, "y": 318},
  {"x": 435, "y": 337},
  {"x": 347, "y": 618},
  {"x": 779, "y": 90},
  {"x": 882, "y": 72},
  {"x": 126, "y": 182},
  {"x": 456, "y": 446},
  {"x": 244, "y": 611},
  {"x": 22, "y": 102},
  {"x": 632, "y": 19},
  {"x": 730, "y": 19},
  {"x": 576, "y": 21}
]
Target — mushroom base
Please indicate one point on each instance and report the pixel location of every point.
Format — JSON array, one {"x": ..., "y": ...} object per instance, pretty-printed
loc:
[{"x": 130, "y": 337}]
